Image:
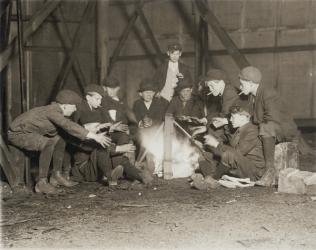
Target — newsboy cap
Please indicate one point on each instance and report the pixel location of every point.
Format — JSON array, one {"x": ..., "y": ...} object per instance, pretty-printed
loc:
[
  {"x": 183, "y": 84},
  {"x": 215, "y": 74},
  {"x": 147, "y": 84},
  {"x": 250, "y": 73},
  {"x": 67, "y": 96},
  {"x": 174, "y": 47},
  {"x": 111, "y": 82},
  {"x": 94, "y": 88}
]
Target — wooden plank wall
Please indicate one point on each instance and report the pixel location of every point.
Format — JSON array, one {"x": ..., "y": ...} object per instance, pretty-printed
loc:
[{"x": 250, "y": 23}]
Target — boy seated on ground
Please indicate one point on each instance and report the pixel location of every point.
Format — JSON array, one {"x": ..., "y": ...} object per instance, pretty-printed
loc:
[
  {"x": 170, "y": 72},
  {"x": 149, "y": 111},
  {"x": 38, "y": 130},
  {"x": 89, "y": 158},
  {"x": 242, "y": 157}
]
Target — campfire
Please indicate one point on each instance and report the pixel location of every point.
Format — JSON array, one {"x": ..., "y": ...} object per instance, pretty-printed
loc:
[{"x": 184, "y": 156}]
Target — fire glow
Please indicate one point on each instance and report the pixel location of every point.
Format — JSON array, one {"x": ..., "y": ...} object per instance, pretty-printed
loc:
[{"x": 184, "y": 155}]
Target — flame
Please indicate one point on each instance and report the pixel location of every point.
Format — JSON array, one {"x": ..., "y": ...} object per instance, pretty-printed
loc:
[{"x": 184, "y": 155}]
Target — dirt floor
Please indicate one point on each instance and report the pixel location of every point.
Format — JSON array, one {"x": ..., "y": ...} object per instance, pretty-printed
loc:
[{"x": 169, "y": 215}]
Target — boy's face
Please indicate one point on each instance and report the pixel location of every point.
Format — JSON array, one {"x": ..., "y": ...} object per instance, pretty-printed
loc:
[
  {"x": 238, "y": 120},
  {"x": 216, "y": 87},
  {"x": 94, "y": 100},
  {"x": 185, "y": 94},
  {"x": 147, "y": 95},
  {"x": 245, "y": 86},
  {"x": 113, "y": 92},
  {"x": 174, "y": 56},
  {"x": 68, "y": 109}
]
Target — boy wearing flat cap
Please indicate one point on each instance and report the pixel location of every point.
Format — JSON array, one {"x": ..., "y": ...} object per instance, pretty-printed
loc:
[
  {"x": 37, "y": 130},
  {"x": 275, "y": 124},
  {"x": 241, "y": 157},
  {"x": 168, "y": 74},
  {"x": 149, "y": 110},
  {"x": 217, "y": 83},
  {"x": 89, "y": 158}
]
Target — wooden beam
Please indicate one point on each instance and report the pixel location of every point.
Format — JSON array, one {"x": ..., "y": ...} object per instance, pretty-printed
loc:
[
  {"x": 139, "y": 34},
  {"x": 65, "y": 69},
  {"x": 124, "y": 36},
  {"x": 168, "y": 137},
  {"x": 64, "y": 35},
  {"x": 228, "y": 43},
  {"x": 102, "y": 22},
  {"x": 151, "y": 34},
  {"x": 29, "y": 30}
]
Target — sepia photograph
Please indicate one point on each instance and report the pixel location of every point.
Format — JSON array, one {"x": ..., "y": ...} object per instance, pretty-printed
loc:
[{"x": 158, "y": 124}]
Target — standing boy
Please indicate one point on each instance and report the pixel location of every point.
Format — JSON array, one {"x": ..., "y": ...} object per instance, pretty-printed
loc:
[{"x": 169, "y": 73}]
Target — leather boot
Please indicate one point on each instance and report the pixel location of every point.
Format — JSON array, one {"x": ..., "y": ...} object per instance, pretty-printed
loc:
[
  {"x": 57, "y": 179},
  {"x": 67, "y": 177},
  {"x": 42, "y": 186},
  {"x": 269, "y": 177}
]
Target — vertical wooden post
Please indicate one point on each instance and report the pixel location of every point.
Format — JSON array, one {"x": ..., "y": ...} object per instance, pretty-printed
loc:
[
  {"x": 168, "y": 135},
  {"x": 102, "y": 23}
]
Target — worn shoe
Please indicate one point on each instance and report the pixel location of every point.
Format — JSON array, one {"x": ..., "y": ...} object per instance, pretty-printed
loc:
[
  {"x": 117, "y": 173},
  {"x": 22, "y": 190},
  {"x": 42, "y": 186},
  {"x": 57, "y": 179},
  {"x": 211, "y": 182},
  {"x": 268, "y": 179},
  {"x": 198, "y": 182}
]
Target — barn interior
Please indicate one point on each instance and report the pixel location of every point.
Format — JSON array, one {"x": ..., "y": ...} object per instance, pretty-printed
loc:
[{"x": 50, "y": 45}]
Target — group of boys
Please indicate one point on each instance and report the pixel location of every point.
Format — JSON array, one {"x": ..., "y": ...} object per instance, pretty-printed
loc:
[{"x": 94, "y": 135}]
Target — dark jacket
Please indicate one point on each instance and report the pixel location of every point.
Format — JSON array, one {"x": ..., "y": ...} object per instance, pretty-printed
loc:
[
  {"x": 85, "y": 114},
  {"x": 45, "y": 121},
  {"x": 267, "y": 107},
  {"x": 109, "y": 104},
  {"x": 160, "y": 75},
  {"x": 193, "y": 107},
  {"x": 156, "y": 110},
  {"x": 245, "y": 141}
]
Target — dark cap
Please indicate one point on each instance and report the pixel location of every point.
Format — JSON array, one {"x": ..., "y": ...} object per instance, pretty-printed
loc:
[
  {"x": 94, "y": 88},
  {"x": 215, "y": 74},
  {"x": 67, "y": 96},
  {"x": 183, "y": 84},
  {"x": 147, "y": 84},
  {"x": 174, "y": 47},
  {"x": 111, "y": 82},
  {"x": 250, "y": 73}
]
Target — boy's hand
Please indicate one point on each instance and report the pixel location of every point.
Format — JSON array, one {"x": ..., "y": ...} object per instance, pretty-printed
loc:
[
  {"x": 147, "y": 122},
  {"x": 119, "y": 127},
  {"x": 219, "y": 122},
  {"x": 125, "y": 148},
  {"x": 102, "y": 139},
  {"x": 198, "y": 130},
  {"x": 211, "y": 141},
  {"x": 104, "y": 125}
]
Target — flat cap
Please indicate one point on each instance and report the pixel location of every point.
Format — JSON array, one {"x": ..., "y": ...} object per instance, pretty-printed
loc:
[
  {"x": 67, "y": 96},
  {"x": 94, "y": 88},
  {"x": 183, "y": 84},
  {"x": 174, "y": 46},
  {"x": 215, "y": 74},
  {"x": 111, "y": 82},
  {"x": 250, "y": 73},
  {"x": 147, "y": 84}
]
